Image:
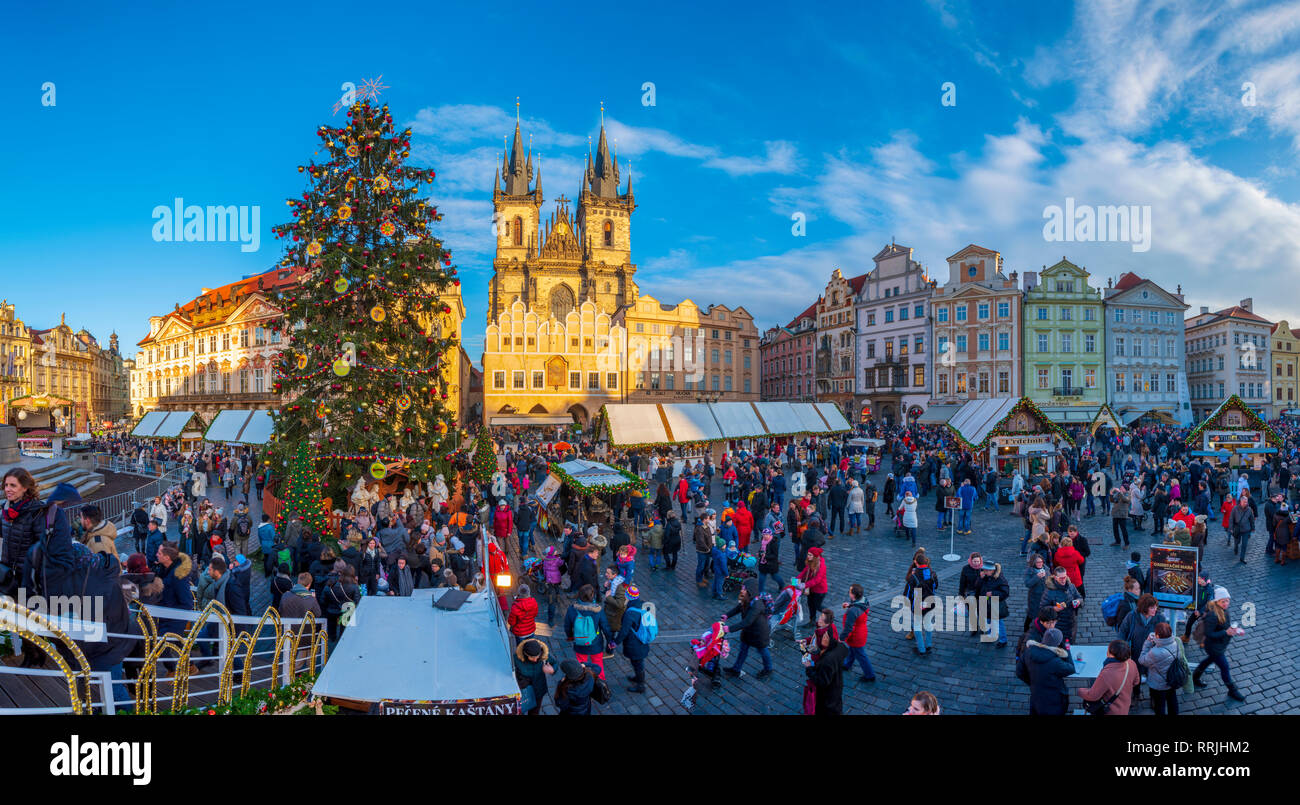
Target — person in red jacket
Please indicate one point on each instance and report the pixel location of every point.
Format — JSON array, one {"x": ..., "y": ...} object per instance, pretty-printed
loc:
[
  {"x": 813, "y": 576},
  {"x": 503, "y": 522},
  {"x": 743, "y": 519},
  {"x": 683, "y": 495},
  {"x": 522, "y": 619},
  {"x": 854, "y": 631},
  {"x": 1068, "y": 557}
]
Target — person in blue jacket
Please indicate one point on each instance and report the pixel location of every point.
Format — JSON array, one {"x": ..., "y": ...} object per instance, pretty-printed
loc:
[
  {"x": 266, "y": 538},
  {"x": 635, "y": 650},
  {"x": 967, "y": 492}
]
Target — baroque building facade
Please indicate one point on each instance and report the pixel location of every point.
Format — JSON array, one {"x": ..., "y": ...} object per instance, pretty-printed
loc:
[
  {"x": 976, "y": 318},
  {"x": 835, "y": 364},
  {"x": 893, "y": 337},
  {"x": 1064, "y": 338},
  {"x": 1228, "y": 353},
  {"x": 1146, "y": 359},
  {"x": 1286, "y": 368},
  {"x": 15, "y": 358}
]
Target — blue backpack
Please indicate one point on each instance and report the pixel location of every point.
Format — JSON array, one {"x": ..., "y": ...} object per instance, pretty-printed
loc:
[
  {"x": 1110, "y": 608},
  {"x": 648, "y": 629},
  {"x": 584, "y": 629}
]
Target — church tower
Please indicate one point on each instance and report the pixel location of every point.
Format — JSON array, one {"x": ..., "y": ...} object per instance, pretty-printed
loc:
[
  {"x": 516, "y": 209},
  {"x": 605, "y": 224}
]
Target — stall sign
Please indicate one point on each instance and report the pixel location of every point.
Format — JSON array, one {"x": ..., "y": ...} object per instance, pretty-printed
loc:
[
  {"x": 546, "y": 492},
  {"x": 497, "y": 706},
  {"x": 952, "y": 502},
  {"x": 1173, "y": 575},
  {"x": 1023, "y": 441}
]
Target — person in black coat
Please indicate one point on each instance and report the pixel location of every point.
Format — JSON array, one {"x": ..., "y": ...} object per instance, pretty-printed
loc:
[
  {"x": 754, "y": 628},
  {"x": 826, "y": 672},
  {"x": 969, "y": 583},
  {"x": 586, "y": 572},
  {"x": 1047, "y": 666},
  {"x": 672, "y": 539},
  {"x": 635, "y": 650},
  {"x": 993, "y": 583}
]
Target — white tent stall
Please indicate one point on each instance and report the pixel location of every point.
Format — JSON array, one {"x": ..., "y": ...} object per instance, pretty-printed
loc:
[{"x": 240, "y": 427}]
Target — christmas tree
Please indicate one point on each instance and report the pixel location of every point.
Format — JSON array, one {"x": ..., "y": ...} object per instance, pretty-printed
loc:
[
  {"x": 485, "y": 461},
  {"x": 363, "y": 366},
  {"x": 301, "y": 493}
]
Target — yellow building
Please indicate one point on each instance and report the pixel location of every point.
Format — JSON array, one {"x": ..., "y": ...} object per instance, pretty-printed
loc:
[
  {"x": 63, "y": 366},
  {"x": 456, "y": 367},
  {"x": 680, "y": 353},
  {"x": 1286, "y": 368},
  {"x": 15, "y": 358}
]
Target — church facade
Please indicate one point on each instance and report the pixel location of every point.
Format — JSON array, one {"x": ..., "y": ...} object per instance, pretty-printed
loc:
[{"x": 563, "y": 298}]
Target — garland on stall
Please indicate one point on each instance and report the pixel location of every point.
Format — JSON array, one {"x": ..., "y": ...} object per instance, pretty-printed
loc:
[
  {"x": 267, "y": 702},
  {"x": 1096, "y": 420},
  {"x": 586, "y": 490},
  {"x": 1024, "y": 405},
  {"x": 1254, "y": 420}
]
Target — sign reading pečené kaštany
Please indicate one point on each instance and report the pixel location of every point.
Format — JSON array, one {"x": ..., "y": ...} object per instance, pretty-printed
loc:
[{"x": 499, "y": 706}]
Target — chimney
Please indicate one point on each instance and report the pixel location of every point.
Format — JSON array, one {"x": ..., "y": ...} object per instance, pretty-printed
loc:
[
  {"x": 1247, "y": 304},
  {"x": 1031, "y": 280},
  {"x": 1205, "y": 309}
]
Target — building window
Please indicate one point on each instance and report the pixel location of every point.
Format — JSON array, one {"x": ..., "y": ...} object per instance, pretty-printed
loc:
[
  {"x": 1067, "y": 342},
  {"x": 1067, "y": 314},
  {"x": 517, "y": 379},
  {"x": 984, "y": 383},
  {"x": 539, "y": 380},
  {"x": 518, "y": 233},
  {"x": 1119, "y": 315},
  {"x": 1004, "y": 310},
  {"x": 1042, "y": 343},
  {"x": 726, "y": 383},
  {"x": 871, "y": 349},
  {"x": 1171, "y": 382},
  {"x": 902, "y": 313},
  {"x": 1119, "y": 346},
  {"x": 889, "y": 316},
  {"x": 961, "y": 312},
  {"x": 983, "y": 310},
  {"x": 1004, "y": 383},
  {"x": 919, "y": 312},
  {"x": 1119, "y": 381},
  {"x": 941, "y": 316},
  {"x": 747, "y": 385},
  {"x": 942, "y": 379},
  {"x": 1090, "y": 378},
  {"x": 1044, "y": 379},
  {"x": 715, "y": 382},
  {"x": 609, "y": 233},
  {"x": 1042, "y": 314},
  {"x": 919, "y": 344},
  {"x": 498, "y": 380},
  {"x": 1088, "y": 314},
  {"x": 984, "y": 342},
  {"x": 961, "y": 382},
  {"x": 575, "y": 380},
  {"x": 1089, "y": 342},
  {"x": 918, "y": 375},
  {"x": 961, "y": 344}
]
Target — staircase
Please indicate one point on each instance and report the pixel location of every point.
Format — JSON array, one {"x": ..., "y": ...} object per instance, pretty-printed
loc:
[{"x": 51, "y": 475}]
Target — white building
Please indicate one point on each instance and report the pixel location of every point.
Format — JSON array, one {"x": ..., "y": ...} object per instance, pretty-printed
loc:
[
  {"x": 893, "y": 337},
  {"x": 1145, "y": 358},
  {"x": 1228, "y": 353}
]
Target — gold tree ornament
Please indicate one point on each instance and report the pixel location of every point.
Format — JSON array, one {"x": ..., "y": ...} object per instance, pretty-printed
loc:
[
  {"x": 302, "y": 361},
  {"x": 340, "y": 285},
  {"x": 377, "y": 313},
  {"x": 345, "y": 212},
  {"x": 314, "y": 248},
  {"x": 342, "y": 368},
  {"x": 382, "y": 183},
  {"x": 403, "y": 402},
  {"x": 378, "y": 470}
]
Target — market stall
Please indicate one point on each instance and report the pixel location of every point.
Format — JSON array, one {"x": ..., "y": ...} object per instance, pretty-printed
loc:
[
  {"x": 1234, "y": 435},
  {"x": 43, "y": 412},
  {"x": 240, "y": 427},
  {"x": 406, "y": 655},
  {"x": 1010, "y": 434},
  {"x": 184, "y": 427},
  {"x": 583, "y": 492},
  {"x": 662, "y": 425}
]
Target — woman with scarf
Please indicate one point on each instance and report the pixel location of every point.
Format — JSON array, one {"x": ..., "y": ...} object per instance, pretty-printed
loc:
[
  {"x": 824, "y": 668},
  {"x": 813, "y": 576},
  {"x": 371, "y": 561},
  {"x": 769, "y": 561}
]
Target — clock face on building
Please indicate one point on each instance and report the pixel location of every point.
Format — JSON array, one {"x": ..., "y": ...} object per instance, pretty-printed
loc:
[{"x": 562, "y": 229}]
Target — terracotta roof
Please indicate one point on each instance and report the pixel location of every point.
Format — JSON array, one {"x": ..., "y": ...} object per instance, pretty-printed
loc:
[
  {"x": 809, "y": 313},
  {"x": 856, "y": 283},
  {"x": 274, "y": 280},
  {"x": 971, "y": 248},
  {"x": 1238, "y": 312},
  {"x": 1128, "y": 280}
]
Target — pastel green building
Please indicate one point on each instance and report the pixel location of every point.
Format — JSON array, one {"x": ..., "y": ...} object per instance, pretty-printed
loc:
[{"x": 1065, "y": 342}]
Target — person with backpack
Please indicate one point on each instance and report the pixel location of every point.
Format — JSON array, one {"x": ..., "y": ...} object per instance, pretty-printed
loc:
[
  {"x": 640, "y": 628},
  {"x": 854, "y": 631},
  {"x": 1046, "y": 665},
  {"x": 755, "y": 630},
  {"x": 1166, "y": 663},
  {"x": 531, "y": 670},
  {"x": 824, "y": 669},
  {"x": 920, "y": 588},
  {"x": 587, "y": 629}
]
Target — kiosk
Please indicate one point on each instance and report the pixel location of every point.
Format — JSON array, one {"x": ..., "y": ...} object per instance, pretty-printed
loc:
[
  {"x": 1011, "y": 434},
  {"x": 1234, "y": 435}
]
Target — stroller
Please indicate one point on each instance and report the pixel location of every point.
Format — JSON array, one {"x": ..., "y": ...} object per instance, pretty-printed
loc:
[
  {"x": 740, "y": 568},
  {"x": 710, "y": 649},
  {"x": 899, "y": 529}
]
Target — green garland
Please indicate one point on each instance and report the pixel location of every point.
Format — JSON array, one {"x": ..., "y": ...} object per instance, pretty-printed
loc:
[
  {"x": 1256, "y": 423},
  {"x": 1025, "y": 404},
  {"x": 262, "y": 702},
  {"x": 568, "y": 480}
]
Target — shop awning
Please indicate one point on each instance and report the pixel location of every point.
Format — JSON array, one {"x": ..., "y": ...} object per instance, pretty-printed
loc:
[
  {"x": 937, "y": 414},
  {"x": 1069, "y": 414},
  {"x": 779, "y": 418},
  {"x": 241, "y": 427},
  {"x": 635, "y": 423},
  {"x": 165, "y": 424},
  {"x": 681, "y": 423},
  {"x": 737, "y": 420},
  {"x": 592, "y": 476},
  {"x": 691, "y": 422},
  {"x": 975, "y": 423},
  {"x": 540, "y": 419},
  {"x": 833, "y": 417}
]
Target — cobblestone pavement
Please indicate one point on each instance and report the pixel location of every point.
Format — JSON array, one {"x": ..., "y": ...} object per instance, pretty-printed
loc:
[{"x": 968, "y": 676}]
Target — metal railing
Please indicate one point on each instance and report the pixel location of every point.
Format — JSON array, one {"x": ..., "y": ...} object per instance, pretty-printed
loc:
[
  {"x": 117, "y": 508},
  {"x": 125, "y": 465}
]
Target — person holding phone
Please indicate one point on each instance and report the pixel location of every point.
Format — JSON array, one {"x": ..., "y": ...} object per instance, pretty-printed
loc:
[{"x": 1218, "y": 633}]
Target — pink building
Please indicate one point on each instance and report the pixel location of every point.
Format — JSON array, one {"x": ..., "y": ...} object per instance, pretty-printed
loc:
[{"x": 786, "y": 359}]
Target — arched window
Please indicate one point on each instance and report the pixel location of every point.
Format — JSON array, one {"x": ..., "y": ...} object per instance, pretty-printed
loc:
[
  {"x": 519, "y": 231},
  {"x": 562, "y": 301},
  {"x": 609, "y": 234}
]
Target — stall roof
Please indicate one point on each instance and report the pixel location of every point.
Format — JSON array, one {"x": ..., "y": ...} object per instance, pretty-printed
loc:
[
  {"x": 977, "y": 418},
  {"x": 163, "y": 424},
  {"x": 691, "y": 422},
  {"x": 241, "y": 427},
  {"x": 937, "y": 414},
  {"x": 149, "y": 423},
  {"x": 779, "y": 417},
  {"x": 1253, "y": 422},
  {"x": 635, "y": 423},
  {"x": 834, "y": 417},
  {"x": 1131, "y": 416},
  {"x": 590, "y": 474},
  {"x": 737, "y": 420},
  {"x": 808, "y": 416},
  {"x": 403, "y": 648},
  {"x": 550, "y": 419}
]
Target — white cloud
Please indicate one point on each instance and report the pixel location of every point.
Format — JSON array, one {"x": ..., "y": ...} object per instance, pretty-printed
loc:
[
  {"x": 463, "y": 123},
  {"x": 780, "y": 157}
]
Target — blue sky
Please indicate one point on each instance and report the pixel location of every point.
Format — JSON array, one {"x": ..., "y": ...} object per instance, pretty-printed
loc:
[{"x": 760, "y": 113}]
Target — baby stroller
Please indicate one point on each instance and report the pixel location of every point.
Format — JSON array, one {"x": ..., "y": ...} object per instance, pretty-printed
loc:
[
  {"x": 710, "y": 649},
  {"x": 899, "y": 530},
  {"x": 740, "y": 568}
]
